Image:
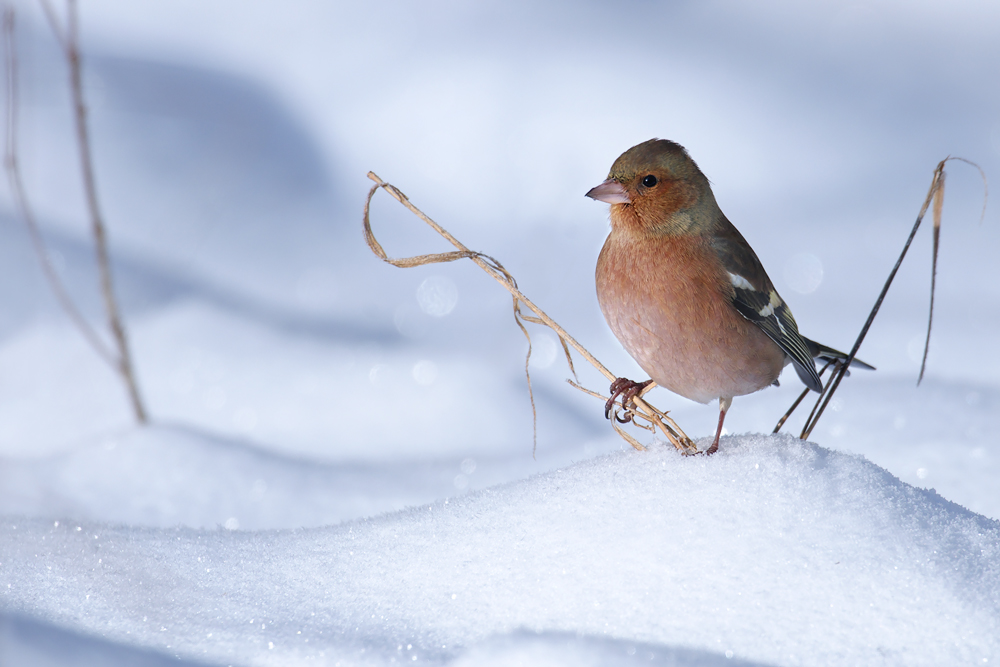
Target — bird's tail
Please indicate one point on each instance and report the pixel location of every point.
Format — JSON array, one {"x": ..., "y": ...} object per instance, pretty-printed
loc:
[{"x": 820, "y": 351}]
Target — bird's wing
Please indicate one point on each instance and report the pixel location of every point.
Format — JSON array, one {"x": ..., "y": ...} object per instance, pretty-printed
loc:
[{"x": 755, "y": 298}]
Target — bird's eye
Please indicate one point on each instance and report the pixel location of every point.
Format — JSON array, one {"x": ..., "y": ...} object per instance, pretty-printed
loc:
[{"x": 649, "y": 181}]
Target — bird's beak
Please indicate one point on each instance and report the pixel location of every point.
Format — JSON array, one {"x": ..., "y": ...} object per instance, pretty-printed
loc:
[{"x": 611, "y": 192}]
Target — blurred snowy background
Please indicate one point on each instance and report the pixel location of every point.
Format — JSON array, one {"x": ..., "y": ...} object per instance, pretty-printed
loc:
[{"x": 296, "y": 381}]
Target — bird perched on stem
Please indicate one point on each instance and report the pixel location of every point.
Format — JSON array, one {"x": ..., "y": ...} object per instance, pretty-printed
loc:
[{"x": 685, "y": 293}]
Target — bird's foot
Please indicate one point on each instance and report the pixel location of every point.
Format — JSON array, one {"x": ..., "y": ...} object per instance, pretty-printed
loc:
[{"x": 627, "y": 390}]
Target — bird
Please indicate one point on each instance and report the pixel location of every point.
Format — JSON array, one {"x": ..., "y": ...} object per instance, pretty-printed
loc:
[{"x": 684, "y": 292}]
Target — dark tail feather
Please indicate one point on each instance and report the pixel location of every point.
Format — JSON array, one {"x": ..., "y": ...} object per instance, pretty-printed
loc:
[{"x": 820, "y": 351}]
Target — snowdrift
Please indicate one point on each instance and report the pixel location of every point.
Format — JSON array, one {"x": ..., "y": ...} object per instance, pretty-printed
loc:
[{"x": 775, "y": 551}]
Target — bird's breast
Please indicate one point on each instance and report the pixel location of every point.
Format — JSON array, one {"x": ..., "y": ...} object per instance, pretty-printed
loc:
[{"x": 667, "y": 299}]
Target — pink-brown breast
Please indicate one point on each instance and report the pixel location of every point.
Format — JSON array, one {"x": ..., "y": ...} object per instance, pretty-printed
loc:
[{"x": 667, "y": 299}]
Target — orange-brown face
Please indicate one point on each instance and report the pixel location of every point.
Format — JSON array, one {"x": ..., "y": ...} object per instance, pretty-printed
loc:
[{"x": 651, "y": 182}]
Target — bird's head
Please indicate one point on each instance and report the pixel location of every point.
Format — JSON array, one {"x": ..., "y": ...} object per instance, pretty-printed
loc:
[{"x": 650, "y": 184}]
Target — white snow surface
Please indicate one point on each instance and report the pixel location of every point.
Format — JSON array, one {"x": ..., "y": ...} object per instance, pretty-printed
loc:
[
  {"x": 776, "y": 551},
  {"x": 339, "y": 467}
]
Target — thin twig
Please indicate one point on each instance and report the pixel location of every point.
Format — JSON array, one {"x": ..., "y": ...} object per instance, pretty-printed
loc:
[
  {"x": 96, "y": 219},
  {"x": 625, "y": 435},
  {"x": 784, "y": 418},
  {"x": 935, "y": 195},
  {"x": 986, "y": 185},
  {"x": 50, "y": 15},
  {"x": 938, "y": 203},
  {"x": 13, "y": 168},
  {"x": 589, "y": 392},
  {"x": 811, "y": 423},
  {"x": 69, "y": 41},
  {"x": 491, "y": 266},
  {"x": 630, "y": 414},
  {"x": 825, "y": 394},
  {"x": 495, "y": 268}
]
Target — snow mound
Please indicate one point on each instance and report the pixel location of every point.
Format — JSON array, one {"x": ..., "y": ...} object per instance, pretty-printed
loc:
[
  {"x": 565, "y": 649},
  {"x": 28, "y": 643},
  {"x": 171, "y": 475},
  {"x": 775, "y": 551},
  {"x": 164, "y": 476}
]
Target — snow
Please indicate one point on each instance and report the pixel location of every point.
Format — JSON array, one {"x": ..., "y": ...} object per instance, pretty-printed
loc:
[
  {"x": 27, "y": 641},
  {"x": 339, "y": 469},
  {"x": 755, "y": 552}
]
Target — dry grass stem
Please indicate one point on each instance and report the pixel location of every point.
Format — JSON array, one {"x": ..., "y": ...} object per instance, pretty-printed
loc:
[
  {"x": 938, "y": 203},
  {"x": 13, "y": 168},
  {"x": 643, "y": 410},
  {"x": 72, "y": 52},
  {"x": 625, "y": 435},
  {"x": 120, "y": 358},
  {"x": 802, "y": 396},
  {"x": 935, "y": 197},
  {"x": 50, "y": 16}
]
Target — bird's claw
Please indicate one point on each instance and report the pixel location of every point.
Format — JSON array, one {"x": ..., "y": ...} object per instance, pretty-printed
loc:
[
  {"x": 627, "y": 390},
  {"x": 626, "y": 419}
]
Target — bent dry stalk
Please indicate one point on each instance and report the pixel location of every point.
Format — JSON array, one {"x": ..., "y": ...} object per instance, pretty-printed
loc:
[
  {"x": 653, "y": 417},
  {"x": 935, "y": 196}
]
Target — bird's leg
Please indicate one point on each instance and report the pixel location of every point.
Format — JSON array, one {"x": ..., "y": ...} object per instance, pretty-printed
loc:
[
  {"x": 628, "y": 390},
  {"x": 724, "y": 404}
]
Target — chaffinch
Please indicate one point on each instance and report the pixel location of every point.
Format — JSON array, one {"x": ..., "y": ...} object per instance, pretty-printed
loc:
[{"x": 685, "y": 293}]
